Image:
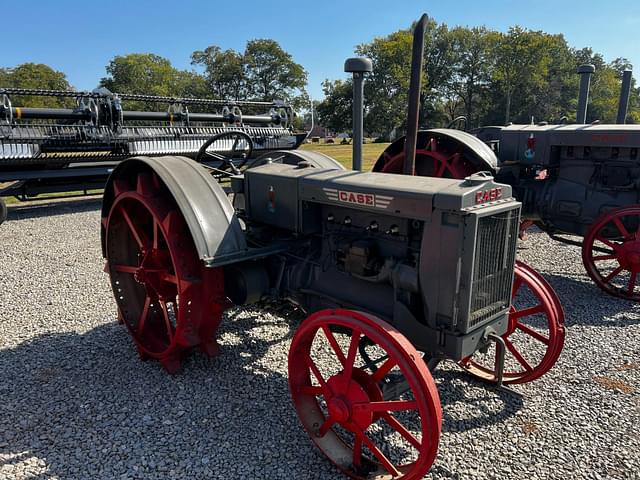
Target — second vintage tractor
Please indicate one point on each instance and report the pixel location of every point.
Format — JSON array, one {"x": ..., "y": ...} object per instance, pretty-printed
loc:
[{"x": 580, "y": 180}]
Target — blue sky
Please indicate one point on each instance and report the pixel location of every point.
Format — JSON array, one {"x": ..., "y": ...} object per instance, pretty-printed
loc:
[{"x": 79, "y": 38}]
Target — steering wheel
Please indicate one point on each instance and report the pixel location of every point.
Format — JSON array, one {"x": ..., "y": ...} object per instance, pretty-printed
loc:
[
  {"x": 227, "y": 160},
  {"x": 460, "y": 121}
]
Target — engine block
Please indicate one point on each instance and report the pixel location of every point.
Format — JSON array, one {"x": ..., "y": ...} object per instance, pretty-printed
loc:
[{"x": 434, "y": 257}]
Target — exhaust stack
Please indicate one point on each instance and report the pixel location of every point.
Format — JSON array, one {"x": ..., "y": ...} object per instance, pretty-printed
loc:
[
  {"x": 585, "y": 72},
  {"x": 417, "y": 54},
  {"x": 624, "y": 97},
  {"x": 358, "y": 66}
]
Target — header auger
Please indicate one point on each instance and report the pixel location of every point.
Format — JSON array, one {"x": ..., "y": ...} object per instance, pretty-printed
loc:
[
  {"x": 45, "y": 150},
  {"x": 396, "y": 274}
]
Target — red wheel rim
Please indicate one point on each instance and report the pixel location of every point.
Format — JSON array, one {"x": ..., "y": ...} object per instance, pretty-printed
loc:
[
  {"x": 611, "y": 252},
  {"x": 435, "y": 160},
  {"x": 166, "y": 298},
  {"x": 535, "y": 335},
  {"x": 345, "y": 405}
]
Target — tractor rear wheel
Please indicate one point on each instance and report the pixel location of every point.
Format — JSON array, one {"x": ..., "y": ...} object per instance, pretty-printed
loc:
[
  {"x": 166, "y": 298},
  {"x": 611, "y": 252},
  {"x": 373, "y": 418},
  {"x": 535, "y": 335},
  {"x": 440, "y": 153}
]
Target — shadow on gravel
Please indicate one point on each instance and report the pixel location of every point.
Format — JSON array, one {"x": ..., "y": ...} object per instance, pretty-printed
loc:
[
  {"x": 85, "y": 406},
  {"x": 483, "y": 404},
  {"x": 29, "y": 209},
  {"x": 577, "y": 298}
]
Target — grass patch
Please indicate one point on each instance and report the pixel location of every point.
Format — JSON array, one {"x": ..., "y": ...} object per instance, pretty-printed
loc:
[
  {"x": 342, "y": 153},
  {"x": 56, "y": 195}
]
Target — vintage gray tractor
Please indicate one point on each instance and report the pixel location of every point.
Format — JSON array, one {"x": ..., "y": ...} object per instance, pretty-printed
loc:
[
  {"x": 395, "y": 274},
  {"x": 573, "y": 181}
]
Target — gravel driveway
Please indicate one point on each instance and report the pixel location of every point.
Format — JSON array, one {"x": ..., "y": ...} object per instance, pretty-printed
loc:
[{"x": 77, "y": 403}]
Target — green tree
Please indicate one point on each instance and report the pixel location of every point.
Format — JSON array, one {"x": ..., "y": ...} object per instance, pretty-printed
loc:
[
  {"x": 335, "y": 111},
  {"x": 36, "y": 76},
  {"x": 142, "y": 73},
  {"x": 271, "y": 73},
  {"x": 472, "y": 63},
  {"x": 149, "y": 74},
  {"x": 521, "y": 63},
  {"x": 224, "y": 71},
  {"x": 387, "y": 87}
]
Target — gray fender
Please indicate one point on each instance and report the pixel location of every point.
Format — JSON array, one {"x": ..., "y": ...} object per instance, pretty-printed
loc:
[
  {"x": 292, "y": 157},
  {"x": 481, "y": 154},
  {"x": 211, "y": 218},
  {"x": 475, "y": 150}
]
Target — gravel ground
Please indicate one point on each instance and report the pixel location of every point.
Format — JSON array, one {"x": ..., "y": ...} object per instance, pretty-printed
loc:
[{"x": 76, "y": 402}]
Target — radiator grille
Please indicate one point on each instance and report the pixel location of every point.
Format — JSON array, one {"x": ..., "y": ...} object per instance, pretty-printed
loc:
[{"x": 494, "y": 259}]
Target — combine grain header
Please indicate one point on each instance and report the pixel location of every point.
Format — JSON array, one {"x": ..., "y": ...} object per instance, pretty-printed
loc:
[{"x": 46, "y": 150}]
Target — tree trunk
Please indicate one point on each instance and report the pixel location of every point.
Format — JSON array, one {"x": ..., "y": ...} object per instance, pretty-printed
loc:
[{"x": 507, "y": 113}]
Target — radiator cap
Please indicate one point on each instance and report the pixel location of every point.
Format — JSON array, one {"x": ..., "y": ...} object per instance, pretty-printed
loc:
[{"x": 478, "y": 178}]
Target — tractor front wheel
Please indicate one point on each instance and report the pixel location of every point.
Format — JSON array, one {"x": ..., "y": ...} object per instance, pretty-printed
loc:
[
  {"x": 535, "y": 335},
  {"x": 611, "y": 252},
  {"x": 375, "y": 415}
]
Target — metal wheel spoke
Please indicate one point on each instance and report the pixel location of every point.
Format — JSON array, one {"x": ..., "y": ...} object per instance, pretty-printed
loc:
[
  {"x": 144, "y": 315},
  {"x": 124, "y": 268},
  {"x": 621, "y": 227},
  {"x": 168, "y": 277},
  {"x": 521, "y": 360},
  {"x": 156, "y": 232},
  {"x": 380, "y": 373},
  {"x": 441, "y": 167},
  {"x": 604, "y": 257},
  {"x": 528, "y": 311},
  {"x": 387, "y": 406},
  {"x": 449, "y": 165},
  {"x": 351, "y": 355},
  {"x": 606, "y": 241},
  {"x": 613, "y": 274},
  {"x": 326, "y": 425},
  {"x": 401, "y": 429},
  {"x": 386, "y": 463},
  {"x": 235, "y": 145},
  {"x": 532, "y": 333},
  {"x": 334, "y": 344},
  {"x": 311, "y": 390},
  {"x": 317, "y": 374},
  {"x": 167, "y": 320},
  {"x": 137, "y": 236},
  {"x": 357, "y": 451}
]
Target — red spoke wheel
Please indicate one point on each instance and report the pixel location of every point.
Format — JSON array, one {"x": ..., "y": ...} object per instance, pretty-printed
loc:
[
  {"x": 166, "y": 298},
  {"x": 436, "y": 159},
  {"x": 347, "y": 403},
  {"x": 611, "y": 252},
  {"x": 535, "y": 335}
]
